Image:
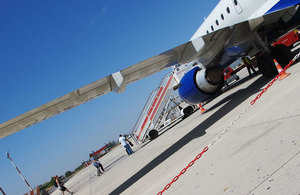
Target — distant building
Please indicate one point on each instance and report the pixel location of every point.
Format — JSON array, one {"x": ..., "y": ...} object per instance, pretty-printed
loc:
[{"x": 102, "y": 151}]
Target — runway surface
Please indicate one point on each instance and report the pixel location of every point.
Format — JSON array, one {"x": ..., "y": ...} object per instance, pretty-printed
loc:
[{"x": 260, "y": 154}]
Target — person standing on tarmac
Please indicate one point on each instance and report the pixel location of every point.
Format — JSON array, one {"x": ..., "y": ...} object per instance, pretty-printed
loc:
[
  {"x": 97, "y": 164},
  {"x": 61, "y": 186},
  {"x": 247, "y": 62},
  {"x": 124, "y": 143}
]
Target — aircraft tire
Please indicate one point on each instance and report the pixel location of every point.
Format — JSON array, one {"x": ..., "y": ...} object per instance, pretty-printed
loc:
[
  {"x": 153, "y": 134},
  {"x": 282, "y": 54},
  {"x": 187, "y": 111},
  {"x": 266, "y": 65}
]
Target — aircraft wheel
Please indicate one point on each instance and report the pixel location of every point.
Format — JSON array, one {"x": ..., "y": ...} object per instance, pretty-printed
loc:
[
  {"x": 153, "y": 134},
  {"x": 266, "y": 65},
  {"x": 188, "y": 111},
  {"x": 282, "y": 54}
]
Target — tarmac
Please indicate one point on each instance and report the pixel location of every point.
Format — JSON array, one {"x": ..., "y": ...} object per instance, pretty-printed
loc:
[{"x": 259, "y": 154}]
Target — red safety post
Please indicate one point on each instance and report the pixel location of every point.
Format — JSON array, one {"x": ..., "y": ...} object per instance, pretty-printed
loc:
[
  {"x": 2, "y": 191},
  {"x": 8, "y": 156}
]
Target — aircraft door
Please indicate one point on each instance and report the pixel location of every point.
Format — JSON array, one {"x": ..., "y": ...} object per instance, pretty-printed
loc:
[{"x": 237, "y": 6}]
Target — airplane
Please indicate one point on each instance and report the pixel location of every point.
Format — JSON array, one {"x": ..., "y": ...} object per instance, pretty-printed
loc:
[{"x": 234, "y": 28}]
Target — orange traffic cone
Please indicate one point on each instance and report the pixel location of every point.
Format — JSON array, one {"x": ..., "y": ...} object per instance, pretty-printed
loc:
[
  {"x": 202, "y": 109},
  {"x": 282, "y": 73}
]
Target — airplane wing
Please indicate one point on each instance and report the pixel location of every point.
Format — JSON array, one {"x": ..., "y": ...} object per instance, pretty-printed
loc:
[{"x": 114, "y": 82}]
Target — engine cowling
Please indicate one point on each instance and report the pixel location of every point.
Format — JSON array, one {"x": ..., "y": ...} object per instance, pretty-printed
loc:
[{"x": 198, "y": 85}]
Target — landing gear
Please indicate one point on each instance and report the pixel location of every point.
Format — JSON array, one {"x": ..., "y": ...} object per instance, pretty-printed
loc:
[
  {"x": 187, "y": 111},
  {"x": 265, "y": 63},
  {"x": 282, "y": 54}
]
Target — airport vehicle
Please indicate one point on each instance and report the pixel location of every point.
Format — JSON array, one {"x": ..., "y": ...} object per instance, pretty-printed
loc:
[
  {"x": 288, "y": 39},
  {"x": 229, "y": 76},
  {"x": 233, "y": 29},
  {"x": 100, "y": 152}
]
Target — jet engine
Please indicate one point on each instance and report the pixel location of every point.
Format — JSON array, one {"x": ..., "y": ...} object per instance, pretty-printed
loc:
[{"x": 198, "y": 85}]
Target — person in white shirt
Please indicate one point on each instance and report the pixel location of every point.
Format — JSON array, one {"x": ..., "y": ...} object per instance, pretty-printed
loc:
[{"x": 124, "y": 143}]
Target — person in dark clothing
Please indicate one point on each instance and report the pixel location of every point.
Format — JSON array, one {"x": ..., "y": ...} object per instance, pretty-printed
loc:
[
  {"x": 97, "y": 164},
  {"x": 247, "y": 62},
  {"x": 61, "y": 186}
]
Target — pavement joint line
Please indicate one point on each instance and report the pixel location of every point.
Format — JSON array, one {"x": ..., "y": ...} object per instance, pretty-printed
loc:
[
  {"x": 266, "y": 122},
  {"x": 274, "y": 172},
  {"x": 274, "y": 120},
  {"x": 228, "y": 127}
]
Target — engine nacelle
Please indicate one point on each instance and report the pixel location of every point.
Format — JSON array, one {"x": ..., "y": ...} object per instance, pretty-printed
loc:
[{"x": 198, "y": 85}]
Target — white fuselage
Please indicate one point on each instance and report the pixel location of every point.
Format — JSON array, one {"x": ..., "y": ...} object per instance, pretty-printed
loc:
[{"x": 231, "y": 12}]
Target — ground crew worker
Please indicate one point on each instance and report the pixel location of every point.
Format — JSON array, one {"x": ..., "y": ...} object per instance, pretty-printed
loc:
[{"x": 247, "y": 62}]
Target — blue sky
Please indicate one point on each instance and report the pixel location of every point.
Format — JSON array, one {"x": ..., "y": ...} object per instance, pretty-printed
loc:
[{"x": 50, "y": 48}]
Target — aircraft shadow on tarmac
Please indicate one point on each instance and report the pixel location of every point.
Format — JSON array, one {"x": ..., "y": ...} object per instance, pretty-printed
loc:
[{"x": 231, "y": 102}]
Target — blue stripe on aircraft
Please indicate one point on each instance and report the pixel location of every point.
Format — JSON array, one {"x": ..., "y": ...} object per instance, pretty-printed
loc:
[{"x": 282, "y": 4}]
